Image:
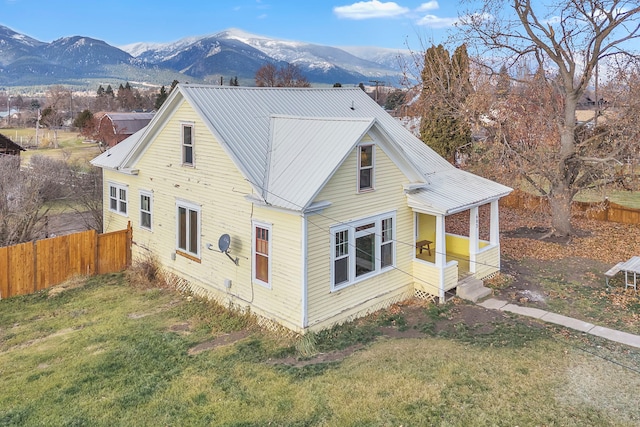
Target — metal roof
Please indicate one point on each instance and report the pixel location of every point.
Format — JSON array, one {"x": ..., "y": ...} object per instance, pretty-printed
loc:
[
  {"x": 114, "y": 157},
  {"x": 299, "y": 148},
  {"x": 454, "y": 191},
  {"x": 287, "y": 142},
  {"x": 128, "y": 123}
]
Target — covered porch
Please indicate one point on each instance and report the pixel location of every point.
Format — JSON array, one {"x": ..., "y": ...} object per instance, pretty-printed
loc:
[{"x": 443, "y": 255}]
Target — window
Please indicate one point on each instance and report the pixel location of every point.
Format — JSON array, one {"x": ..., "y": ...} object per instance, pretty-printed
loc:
[
  {"x": 118, "y": 198},
  {"x": 145, "y": 210},
  {"x": 188, "y": 236},
  {"x": 365, "y": 168},
  {"x": 262, "y": 253},
  {"x": 362, "y": 249},
  {"x": 187, "y": 145}
]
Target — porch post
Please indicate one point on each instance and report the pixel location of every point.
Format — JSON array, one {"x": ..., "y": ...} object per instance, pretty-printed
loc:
[
  {"x": 474, "y": 225},
  {"x": 441, "y": 253},
  {"x": 494, "y": 234}
]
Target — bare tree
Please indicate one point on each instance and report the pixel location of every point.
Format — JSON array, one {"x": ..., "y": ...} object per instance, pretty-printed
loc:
[
  {"x": 269, "y": 75},
  {"x": 266, "y": 76},
  {"x": 26, "y": 195},
  {"x": 566, "y": 40},
  {"x": 86, "y": 200}
]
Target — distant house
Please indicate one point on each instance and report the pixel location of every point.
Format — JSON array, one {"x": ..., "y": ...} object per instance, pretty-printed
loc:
[
  {"x": 8, "y": 147},
  {"x": 308, "y": 207},
  {"x": 115, "y": 127}
]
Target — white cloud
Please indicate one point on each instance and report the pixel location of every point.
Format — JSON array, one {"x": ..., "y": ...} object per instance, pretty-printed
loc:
[
  {"x": 370, "y": 9},
  {"x": 431, "y": 5},
  {"x": 436, "y": 21}
]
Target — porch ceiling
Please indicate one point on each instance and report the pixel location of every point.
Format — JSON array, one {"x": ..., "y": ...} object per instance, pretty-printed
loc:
[{"x": 454, "y": 190}]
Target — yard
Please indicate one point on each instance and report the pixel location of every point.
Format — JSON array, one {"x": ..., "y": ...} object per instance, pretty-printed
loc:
[
  {"x": 71, "y": 145},
  {"x": 112, "y": 350}
]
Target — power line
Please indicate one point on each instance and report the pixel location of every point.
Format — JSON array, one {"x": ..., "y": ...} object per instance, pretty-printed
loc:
[{"x": 348, "y": 224}]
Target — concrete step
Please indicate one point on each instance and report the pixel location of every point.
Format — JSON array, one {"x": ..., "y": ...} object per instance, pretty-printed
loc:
[{"x": 472, "y": 289}]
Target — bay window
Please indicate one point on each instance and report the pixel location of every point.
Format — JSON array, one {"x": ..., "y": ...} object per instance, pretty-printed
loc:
[{"x": 362, "y": 249}]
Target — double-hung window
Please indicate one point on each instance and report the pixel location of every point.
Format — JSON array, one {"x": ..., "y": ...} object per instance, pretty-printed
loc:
[
  {"x": 262, "y": 253},
  {"x": 145, "y": 209},
  {"x": 118, "y": 198},
  {"x": 188, "y": 232},
  {"x": 187, "y": 144},
  {"x": 362, "y": 249},
  {"x": 365, "y": 167}
]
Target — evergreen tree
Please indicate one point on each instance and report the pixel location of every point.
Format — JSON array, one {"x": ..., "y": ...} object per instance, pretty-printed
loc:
[
  {"x": 160, "y": 98},
  {"x": 100, "y": 91},
  {"x": 503, "y": 85},
  {"x": 109, "y": 91},
  {"x": 445, "y": 86},
  {"x": 83, "y": 119}
]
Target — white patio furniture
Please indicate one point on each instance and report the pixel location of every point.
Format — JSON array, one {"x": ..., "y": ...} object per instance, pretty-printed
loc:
[{"x": 631, "y": 267}]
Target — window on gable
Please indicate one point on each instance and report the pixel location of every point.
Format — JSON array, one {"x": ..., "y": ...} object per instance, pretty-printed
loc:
[
  {"x": 365, "y": 167},
  {"x": 118, "y": 198},
  {"x": 145, "y": 210},
  {"x": 188, "y": 233},
  {"x": 362, "y": 249},
  {"x": 262, "y": 253},
  {"x": 187, "y": 145}
]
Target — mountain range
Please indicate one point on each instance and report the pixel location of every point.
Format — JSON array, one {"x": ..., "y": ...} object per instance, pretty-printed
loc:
[{"x": 85, "y": 62}]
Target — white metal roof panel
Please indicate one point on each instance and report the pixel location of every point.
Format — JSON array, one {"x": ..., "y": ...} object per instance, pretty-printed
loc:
[
  {"x": 114, "y": 157},
  {"x": 455, "y": 190},
  {"x": 241, "y": 120},
  {"x": 304, "y": 153}
]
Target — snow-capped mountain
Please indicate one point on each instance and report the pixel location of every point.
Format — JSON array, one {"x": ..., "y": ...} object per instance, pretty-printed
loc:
[{"x": 208, "y": 58}]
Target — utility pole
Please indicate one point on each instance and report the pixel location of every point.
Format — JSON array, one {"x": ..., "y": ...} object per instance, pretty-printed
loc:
[{"x": 377, "y": 83}]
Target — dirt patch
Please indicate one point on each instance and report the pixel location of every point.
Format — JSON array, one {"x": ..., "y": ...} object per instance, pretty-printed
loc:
[{"x": 220, "y": 341}]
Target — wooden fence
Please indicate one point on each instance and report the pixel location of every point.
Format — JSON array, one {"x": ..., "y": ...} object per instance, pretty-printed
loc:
[
  {"x": 33, "y": 266},
  {"x": 602, "y": 211}
]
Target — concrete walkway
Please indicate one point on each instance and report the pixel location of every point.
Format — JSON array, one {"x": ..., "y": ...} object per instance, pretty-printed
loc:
[{"x": 579, "y": 325}]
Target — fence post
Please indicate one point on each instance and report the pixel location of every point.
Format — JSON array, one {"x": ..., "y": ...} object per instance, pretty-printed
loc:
[
  {"x": 96, "y": 253},
  {"x": 129, "y": 243},
  {"x": 35, "y": 266}
]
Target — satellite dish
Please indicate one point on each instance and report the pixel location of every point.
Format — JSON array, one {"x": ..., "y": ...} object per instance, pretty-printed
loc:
[{"x": 223, "y": 243}]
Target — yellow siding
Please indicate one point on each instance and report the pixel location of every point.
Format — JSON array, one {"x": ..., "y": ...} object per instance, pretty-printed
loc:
[
  {"x": 488, "y": 262},
  {"x": 217, "y": 186},
  {"x": 427, "y": 277},
  {"x": 451, "y": 275},
  {"x": 457, "y": 244},
  {"x": 427, "y": 228},
  {"x": 327, "y": 307}
]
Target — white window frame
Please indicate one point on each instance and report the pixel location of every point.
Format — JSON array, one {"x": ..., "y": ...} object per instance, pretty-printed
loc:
[
  {"x": 121, "y": 198},
  {"x": 353, "y": 234},
  {"x": 191, "y": 146},
  {"x": 372, "y": 167},
  {"x": 268, "y": 227},
  {"x": 149, "y": 194},
  {"x": 188, "y": 206}
]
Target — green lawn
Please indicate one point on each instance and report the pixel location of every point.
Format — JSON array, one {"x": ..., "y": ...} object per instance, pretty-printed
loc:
[
  {"x": 107, "y": 354},
  {"x": 72, "y": 145}
]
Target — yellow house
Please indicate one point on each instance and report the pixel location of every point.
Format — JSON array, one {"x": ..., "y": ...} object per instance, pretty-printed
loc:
[{"x": 309, "y": 207}]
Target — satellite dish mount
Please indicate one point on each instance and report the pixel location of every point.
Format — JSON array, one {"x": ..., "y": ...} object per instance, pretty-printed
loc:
[{"x": 223, "y": 244}]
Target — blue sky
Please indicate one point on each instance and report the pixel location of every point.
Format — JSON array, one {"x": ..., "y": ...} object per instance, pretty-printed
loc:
[{"x": 379, "y": 23}]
